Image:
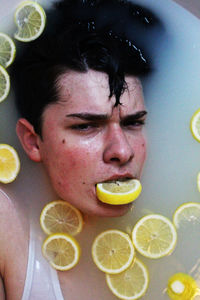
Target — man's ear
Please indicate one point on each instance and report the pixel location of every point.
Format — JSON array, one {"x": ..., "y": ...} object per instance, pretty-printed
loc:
[{"x": 29, "y": 139}]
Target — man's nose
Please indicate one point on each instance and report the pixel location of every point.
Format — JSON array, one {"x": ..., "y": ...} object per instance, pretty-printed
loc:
[{"x": 118, "y": 148}]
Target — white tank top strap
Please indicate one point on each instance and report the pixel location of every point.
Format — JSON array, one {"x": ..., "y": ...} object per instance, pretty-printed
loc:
[{"x": 41, "y": 279}]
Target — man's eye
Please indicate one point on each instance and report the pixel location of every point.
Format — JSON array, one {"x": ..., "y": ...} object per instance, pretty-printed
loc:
[
  {"x": 83, "y": 127},
  {"x": 135, "y": 124}
]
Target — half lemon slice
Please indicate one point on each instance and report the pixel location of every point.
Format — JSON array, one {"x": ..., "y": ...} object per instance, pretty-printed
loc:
[
  {"x": 118, "y": 192},
  {"x": 130, "y": 284},
  {"x": 4, "y": 84},
  {"x": 9, "y": 163},
  {"x": 62, "y": 251},
  {"x": 30, "y": 19},
  {"x": 195, "y": 125},
  {"x": 113, "y": 251},
  {"x": 7, "y": 50},
  {"x": 154, "y": 236}
]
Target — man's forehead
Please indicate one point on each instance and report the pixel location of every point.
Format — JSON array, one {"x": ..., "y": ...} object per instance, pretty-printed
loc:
[{"x": 78, "y": 90}]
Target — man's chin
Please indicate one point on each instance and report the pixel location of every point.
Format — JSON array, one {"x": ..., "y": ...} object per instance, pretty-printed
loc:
[{"x": 106, "y": 210}]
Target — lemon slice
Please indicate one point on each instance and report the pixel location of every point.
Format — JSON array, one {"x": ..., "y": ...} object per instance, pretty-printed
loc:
[
  {"x": 182, "y": 287},
  {"x": 113, "y": 251},
  {"x": 60, "y": 216},
  {"x": 195, "y": 125},
  {"x": 119, "y": 192},
  {"x": 198, "y": 181},
  {"x": 154, "y": 236},
  {"x": 130, "y": 284},
  {"x": 4, "y": 84},
  {"x": 7, "y": 50},
  {"x": 9, "y": 163},
  {"x": 61, "y": 250},
  {"x": 187, "y": 212},
  {"x": 30, "y": 19}
]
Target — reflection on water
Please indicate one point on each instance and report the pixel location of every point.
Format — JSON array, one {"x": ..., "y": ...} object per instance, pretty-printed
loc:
[{"x": 172, "y": 95}]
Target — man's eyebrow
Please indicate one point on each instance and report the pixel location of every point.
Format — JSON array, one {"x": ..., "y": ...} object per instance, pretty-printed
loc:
[
  {"x": 105, "y": 117},
  {"x": 136, "y": 116},
  {"x": 89, "y": 117}
]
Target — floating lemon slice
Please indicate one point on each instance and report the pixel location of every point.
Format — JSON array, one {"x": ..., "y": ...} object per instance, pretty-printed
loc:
[
  {"x": 198, "y": 181},
  {"x": 195, "y": 125},
  {"x": 113, "y": 251},
  {"x": 4, "y": 84},
  {"x": 61, "y": 250},
  {"x": 187, "y": 212},
  {"x": 118, "y": 192},
  {"x": 7, "y": 50},
  {"x": 30, "y": 19},
  {"x": 9, "y": 163},
  {"x": 60, "y": 216},
  {"x": 130, "y": 284},
  {"x": 154, "y": 236},
  {"x": 182, "y": 287}
]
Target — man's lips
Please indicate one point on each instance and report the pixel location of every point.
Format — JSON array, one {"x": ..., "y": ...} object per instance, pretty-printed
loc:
[{"x": 117, "y": 177}]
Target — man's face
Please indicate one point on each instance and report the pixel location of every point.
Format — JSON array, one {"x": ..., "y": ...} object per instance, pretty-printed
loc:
[{"x": 86, "y": 140}]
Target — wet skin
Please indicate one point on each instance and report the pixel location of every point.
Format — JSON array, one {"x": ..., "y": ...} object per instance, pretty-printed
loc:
[{"x": 86, "y": 140}]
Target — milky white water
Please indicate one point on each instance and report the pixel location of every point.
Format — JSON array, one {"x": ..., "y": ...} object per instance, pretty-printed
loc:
[{"x": 172, "y": 95}]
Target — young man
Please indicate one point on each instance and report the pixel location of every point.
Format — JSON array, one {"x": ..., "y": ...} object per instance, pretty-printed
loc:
[{"x": 82, "y": 115}]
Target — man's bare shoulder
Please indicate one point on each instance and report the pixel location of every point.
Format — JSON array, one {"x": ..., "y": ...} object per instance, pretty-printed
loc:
[
  {"x": 14, "y": 239},
  {"x": 12, "y": 222}
]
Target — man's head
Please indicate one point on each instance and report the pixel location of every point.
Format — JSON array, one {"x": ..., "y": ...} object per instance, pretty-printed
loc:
[{"x": 81, "y": 102}]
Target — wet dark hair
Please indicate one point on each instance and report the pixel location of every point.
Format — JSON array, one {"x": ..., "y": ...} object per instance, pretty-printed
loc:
[{"x": 102, "y": 35}]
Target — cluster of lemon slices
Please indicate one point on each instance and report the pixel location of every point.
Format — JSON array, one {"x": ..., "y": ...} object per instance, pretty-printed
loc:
[
  {"x": 61, "y": 222},
  {"x": 30, "y": 19},
  {"x": 114, "y": 252}
]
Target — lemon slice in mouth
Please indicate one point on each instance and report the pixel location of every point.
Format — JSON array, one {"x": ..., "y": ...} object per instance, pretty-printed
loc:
[{"x": 119, "y": 192}]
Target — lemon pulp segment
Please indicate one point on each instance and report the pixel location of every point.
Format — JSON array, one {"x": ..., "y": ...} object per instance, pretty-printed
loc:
[
  {"x": 61, "y": 250},
  {"x": 9, "y": 163},
  {"x": 30, "y": 19},
  {"x": 181, "y": 286},
  {"x": 119, "y": 192},
  {"x": 154, "y": 236},
  {"x": 130, "y": 284},
  {"x": 113, "y": 251},
  {"x": 60, "y": 216}
]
